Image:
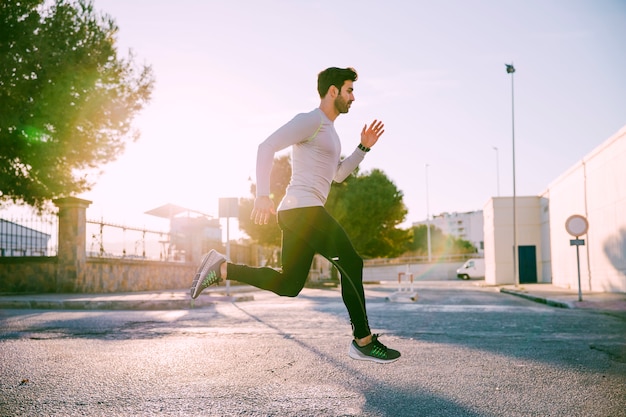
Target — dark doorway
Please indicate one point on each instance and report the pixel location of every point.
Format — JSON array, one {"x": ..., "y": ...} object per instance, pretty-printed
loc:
[{"x": 527, "y": 264}]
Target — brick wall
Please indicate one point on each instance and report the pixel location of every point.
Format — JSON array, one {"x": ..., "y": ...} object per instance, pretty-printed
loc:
[
  {"x": 28, "y": 274},
  {"x": 119, "y": 275},
  {"x": 101, "y": 275}
]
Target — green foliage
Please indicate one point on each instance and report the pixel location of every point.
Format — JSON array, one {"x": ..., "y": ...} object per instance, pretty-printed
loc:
[
  {"x": 369, "y": 207},
  {"x": 440, "y": 243},
  {"x": 269, "y": 234},
  {"x": 67, "y": 100}
]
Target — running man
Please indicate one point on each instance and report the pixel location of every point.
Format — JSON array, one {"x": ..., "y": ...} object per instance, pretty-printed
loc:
[{"x": 307, "y": 228}]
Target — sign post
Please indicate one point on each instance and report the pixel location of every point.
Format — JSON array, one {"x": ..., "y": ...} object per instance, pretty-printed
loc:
[
  {"x": 577, "y": 225},
  {"x": 228, "y": 207}
]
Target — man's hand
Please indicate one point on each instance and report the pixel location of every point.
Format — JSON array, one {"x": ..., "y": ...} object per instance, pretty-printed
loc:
[
  {"x": 370, "y": 135},
  {"x": 263, "y": 208}
]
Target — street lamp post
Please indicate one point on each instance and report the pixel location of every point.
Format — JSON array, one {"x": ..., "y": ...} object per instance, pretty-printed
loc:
[
  {"x": 430, "y": 255},
  {"x": 495, "y": 148},
  {"x": 510, "y": 69}
]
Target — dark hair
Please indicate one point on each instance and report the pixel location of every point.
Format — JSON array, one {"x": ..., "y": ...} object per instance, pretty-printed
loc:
[{"x": 334, "y": 76}]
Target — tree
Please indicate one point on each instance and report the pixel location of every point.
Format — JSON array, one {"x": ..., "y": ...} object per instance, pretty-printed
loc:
[
  {"x": 440, "y": 243},
  {"x": 369, "y": 207},
  {"x": 269, "y": 234},
  {"x": 67, "y": 100}
]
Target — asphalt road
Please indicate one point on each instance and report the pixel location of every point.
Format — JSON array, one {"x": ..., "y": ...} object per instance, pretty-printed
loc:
[{"x": 466, "y": 351}]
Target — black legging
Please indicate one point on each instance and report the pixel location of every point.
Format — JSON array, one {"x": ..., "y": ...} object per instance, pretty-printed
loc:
[{"x": 307, "y": 231}]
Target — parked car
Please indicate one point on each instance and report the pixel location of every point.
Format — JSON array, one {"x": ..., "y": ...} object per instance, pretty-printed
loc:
[{"x": 473, "y": 268}]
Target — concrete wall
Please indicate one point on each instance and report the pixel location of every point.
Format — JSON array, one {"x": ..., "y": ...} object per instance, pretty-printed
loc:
[
  {"x": 118, "y": 275},
  {"x": 498, "y": 227},
  {"x": 101, "y": 275},
  {"x": 499, "y": 243},
  {"x": 529, "y": 229},
  {"x": 595, "y": 188},
  {"x": 545, "y": 255},
  {"x": 28, "y": 274}
]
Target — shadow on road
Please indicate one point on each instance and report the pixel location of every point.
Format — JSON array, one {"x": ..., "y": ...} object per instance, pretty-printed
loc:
[{"x": 381, "y": 398}]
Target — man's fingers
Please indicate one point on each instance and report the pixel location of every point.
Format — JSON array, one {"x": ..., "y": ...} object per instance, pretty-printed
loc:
[
  {"x": 263, "y": 208},
  {"x": 259, "y": 216},
  {"x": 254, "y": 216},
  {"x": 377, "y": 125}
]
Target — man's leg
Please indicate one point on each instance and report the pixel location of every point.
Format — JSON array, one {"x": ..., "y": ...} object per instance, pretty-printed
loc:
[
  {"x": 296, "y": 259},
  {"x": 307, "y": 231},
  {"x": 322, "y": 233}
]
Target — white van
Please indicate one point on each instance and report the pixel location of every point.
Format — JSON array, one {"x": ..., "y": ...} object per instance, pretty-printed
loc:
[{"x": 473, "y": 268}]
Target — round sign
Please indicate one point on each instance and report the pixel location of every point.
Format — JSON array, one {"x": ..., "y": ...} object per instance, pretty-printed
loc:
[{"x": 576, "y": 225}]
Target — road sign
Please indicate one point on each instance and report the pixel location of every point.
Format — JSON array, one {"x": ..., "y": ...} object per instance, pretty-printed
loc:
[{"x": 577, "y": 225}]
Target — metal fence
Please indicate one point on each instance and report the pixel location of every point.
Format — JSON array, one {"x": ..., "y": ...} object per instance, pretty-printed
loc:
[
  {"x": 25, "y": 232},
  {"x": 109, "y": 240},
  {"x": 29, "y": 234}
]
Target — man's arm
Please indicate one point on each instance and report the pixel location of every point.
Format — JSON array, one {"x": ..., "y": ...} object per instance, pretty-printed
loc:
[
  {"x": 369, "y": 137},
  {"x": 298, "y": 129}
]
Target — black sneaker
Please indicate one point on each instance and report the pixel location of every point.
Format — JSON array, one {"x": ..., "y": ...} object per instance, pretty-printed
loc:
[
  {"x": 208, "y": 273},
  {"x": 375, "y": 352}
]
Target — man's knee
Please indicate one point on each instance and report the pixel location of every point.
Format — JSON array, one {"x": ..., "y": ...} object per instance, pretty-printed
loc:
[
  {"x": 352, "y": 262},
  {"x": 289, "y": 292}
]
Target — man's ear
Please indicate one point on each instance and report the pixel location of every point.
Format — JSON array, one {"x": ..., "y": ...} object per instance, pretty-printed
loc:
[{"x": 334, "y": 91}]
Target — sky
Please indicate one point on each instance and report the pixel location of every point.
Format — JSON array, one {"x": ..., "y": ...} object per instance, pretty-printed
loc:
[{"x": 228, "y": 73}]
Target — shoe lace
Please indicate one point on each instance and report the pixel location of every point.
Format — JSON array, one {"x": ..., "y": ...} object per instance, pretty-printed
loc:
[
  {"x": 378, "y": 349},
  {"x": 210, "y": 279}
]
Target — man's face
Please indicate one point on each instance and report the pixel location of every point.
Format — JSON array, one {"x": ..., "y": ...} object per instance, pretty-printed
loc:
[{"x": 344, "y": 99}]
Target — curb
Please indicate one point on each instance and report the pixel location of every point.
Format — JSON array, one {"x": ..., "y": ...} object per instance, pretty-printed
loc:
[
  {"x": 121, "y": 304},
  {"x": 537, "y": 299}
]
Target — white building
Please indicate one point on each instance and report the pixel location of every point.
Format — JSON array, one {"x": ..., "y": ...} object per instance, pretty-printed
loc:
[
  {"x": 594, "y": 188},
  {"x": 467, "y": 226}
]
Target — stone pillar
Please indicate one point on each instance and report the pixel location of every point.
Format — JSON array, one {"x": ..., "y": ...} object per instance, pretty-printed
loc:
[{"x": 72, "y": 243}]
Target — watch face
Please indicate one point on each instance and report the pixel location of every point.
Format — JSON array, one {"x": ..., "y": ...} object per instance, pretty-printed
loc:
[{"x": 576, "y": 225}]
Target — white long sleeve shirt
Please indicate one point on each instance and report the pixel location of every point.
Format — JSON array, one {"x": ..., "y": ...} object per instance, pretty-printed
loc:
[{"x": 316, "y": 160}]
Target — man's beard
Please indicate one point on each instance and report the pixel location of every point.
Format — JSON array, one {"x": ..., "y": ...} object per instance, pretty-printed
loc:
[{"x": 342, "y": 105}]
